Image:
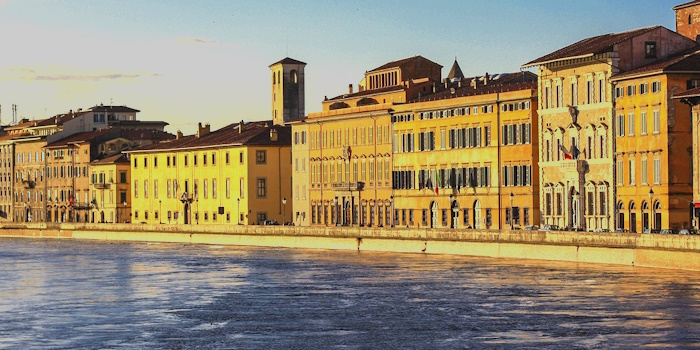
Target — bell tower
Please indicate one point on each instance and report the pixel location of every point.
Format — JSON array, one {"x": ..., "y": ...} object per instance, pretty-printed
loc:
[{"x": 287, "y": 90}]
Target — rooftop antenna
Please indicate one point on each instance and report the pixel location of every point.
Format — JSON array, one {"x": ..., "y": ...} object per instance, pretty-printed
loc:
[{"x": 14, "y": 114}]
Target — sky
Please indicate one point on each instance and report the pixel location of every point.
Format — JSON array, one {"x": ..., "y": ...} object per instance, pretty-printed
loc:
[{"x": 208, "y": 61}]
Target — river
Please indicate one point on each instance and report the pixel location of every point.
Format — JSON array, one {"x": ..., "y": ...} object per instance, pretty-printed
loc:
[{"x": 64, "y": 294}]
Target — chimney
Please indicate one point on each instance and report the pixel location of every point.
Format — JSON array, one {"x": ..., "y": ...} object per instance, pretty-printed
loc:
[
  {"x": 434, "y": 87},
  {"x": 446, "y": 84},
  {"x": 459, "y": 83},
  {"x": 178, "y": 135},
  {"x": 486, "y": 78},
  {"x": 273, "y": 135},
  {"x": 240, "y": 127},
  {"x": 475, "y": 83},
  {"x": 202, "y": 130},
  {"x": 350, "y": 89}
]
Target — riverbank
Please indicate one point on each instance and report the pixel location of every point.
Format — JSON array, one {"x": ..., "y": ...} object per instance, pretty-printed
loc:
[{"x": 661, "y": 251}]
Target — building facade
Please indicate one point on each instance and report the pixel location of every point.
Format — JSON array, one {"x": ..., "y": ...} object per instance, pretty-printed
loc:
[
  {"x": 653, "y": 134},
  {"x": 465, "y": 157},
  {"x": 110, "y": 182},
  {"x": 576, "y": 127},
  {"x": 234, "y": 175}
]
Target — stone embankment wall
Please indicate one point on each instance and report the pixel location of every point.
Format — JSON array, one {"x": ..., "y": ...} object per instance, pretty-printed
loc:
[{"x": 664, "y": 251}]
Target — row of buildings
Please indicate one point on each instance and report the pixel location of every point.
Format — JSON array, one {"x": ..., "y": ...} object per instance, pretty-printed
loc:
[{"x": 602, "y": 136}]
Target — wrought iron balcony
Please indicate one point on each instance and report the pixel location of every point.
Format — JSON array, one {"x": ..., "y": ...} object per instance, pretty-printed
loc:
[
  {"x": 349, "y": 186},
  {"x": 101, "y": 185}
]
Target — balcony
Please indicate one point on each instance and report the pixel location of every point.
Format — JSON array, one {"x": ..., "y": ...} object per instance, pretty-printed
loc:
[
  {"x": 28, "y": 184},
  {"x": 101, "y": 185},
  {"x": 572, "y": 165},
  {"x": 349, "y": 186}
]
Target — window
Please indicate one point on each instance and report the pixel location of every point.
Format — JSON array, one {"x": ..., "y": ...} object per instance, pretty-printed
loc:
[
  {"x": 155, "y": 188},
  {"x": 204, "y": 159},
  {"x": 656, "y": 86},
  {"x": 657, "y": 171},
  {"x": 145, "y": 188},
  {"x": 631, "y": 90},
  {"x": 631, "y": 172},
  {"x": 643, "y": 88},
  {"x": 650, "y": 49},
  {"x": 620, "y": 173},
  {"x": 630, "y": 124},
  {"x": 155, "y": 161},
  {"x": 643, "y": 123},
  {"x": 213, "y": 188},
  {"x": 186, "y": 160},
  {"x": 136, "y": 189},
  {"x": 260, "y": 157},
  {"x": 228, "y": 188},
  {"x": 213, "y": 159},
  {"x": 241, "y": 189},
  {"x": 657, "y": 122},
  {"x": 621, "y": 125},
  {"x": 644, "y": 170},
  {"x": 262, "y": 187},
  {"x": 240, "y": 156},
  {"x": 206, "y": 188}
]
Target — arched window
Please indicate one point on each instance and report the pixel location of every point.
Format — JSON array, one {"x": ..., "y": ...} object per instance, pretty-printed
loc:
[{"x": 293, "y": 78}]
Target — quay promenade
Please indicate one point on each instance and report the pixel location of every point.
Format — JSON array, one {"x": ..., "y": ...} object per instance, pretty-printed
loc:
[{"x": 644, "y": 250}]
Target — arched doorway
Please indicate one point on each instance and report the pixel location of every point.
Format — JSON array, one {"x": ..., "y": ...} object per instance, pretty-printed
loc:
[
  {"x": 657, "y": 216},
  {"x": 187, "y": 214},
  {"x": 645, "y": 216},
  {"x": 455, "y": 214},
  {"x": 433, "y": 214},
  {"x": 477, "y": 214},
  {"x": 620, "y": 215},
  {"x": 633, "y": 217},
  {"x": 102, "y": 217}
]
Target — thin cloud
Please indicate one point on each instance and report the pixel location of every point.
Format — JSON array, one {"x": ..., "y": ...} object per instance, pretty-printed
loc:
[
  {"x": 194, "y": 41},
  {"x": 28, "y": 73}
]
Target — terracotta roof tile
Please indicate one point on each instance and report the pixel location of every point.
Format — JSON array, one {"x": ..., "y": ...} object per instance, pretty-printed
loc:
[
  {"x": 254, "y": 133},
  {"x": 115, "y": 109},
  {"x": 590, "y": 46},
  {"x": 686, "y": 62},
  {"x": 117, "y": 158},
  {"x": 694, "y": 92},
  {"x": 504, "y": 82},
  {"x": 684, "y": 5},
  {"x": 400, "y": 62},
  {"x": 370, "y": 92}
]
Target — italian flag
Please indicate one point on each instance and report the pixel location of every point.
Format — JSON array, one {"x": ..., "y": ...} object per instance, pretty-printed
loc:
[{"x": 437, "y": 181}]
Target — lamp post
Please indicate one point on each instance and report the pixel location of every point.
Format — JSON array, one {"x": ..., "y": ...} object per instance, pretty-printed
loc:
[
  {"x": 391, "y": 202},
  {"x": 575, "y": 207},
  {"x": 651, "y": 208},
  {"x": 284, "y": 211},
  {"x": 511, "y": 210},
  {"x": 335, "y": 209},
  {"x": 160, "y": 211},
  {"x": 124, "y": 203},
  {"x": 238, "y": 213}
]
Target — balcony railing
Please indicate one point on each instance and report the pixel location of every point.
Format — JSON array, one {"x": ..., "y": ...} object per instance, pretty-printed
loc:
[
  {"x": 101, "y": 185},
  {"x": 349, "y": 186}
]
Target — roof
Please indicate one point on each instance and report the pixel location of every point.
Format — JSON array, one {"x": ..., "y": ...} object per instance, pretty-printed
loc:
[
  {"x": 455, "y": 71},
  {"x": 115, "y": 109},
  {"x": 370, "y": 92},
  {"x": 146, "y": 134},
  {"x": 254, "y": 133},
  {"x": 694, "y": 92},
  {"x": 117, "y": 158},
  {"x": 686, "y": 62},
  {"x": 288, "y": 60},
  {"x": 590, "y": 46},
  {"x": 684, "y": 5},
  {"x": 78, "y": 138},
  {"x": 395, "y": 64},
  {"x": 497, "y": 83}
]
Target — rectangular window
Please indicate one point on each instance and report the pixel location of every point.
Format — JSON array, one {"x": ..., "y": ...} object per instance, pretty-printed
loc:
[
  {"x": 241, "y": 189},
  {"x": 621, "y": 125},
  {"x": 145, "y": 188},
  {"x": 620, "y": 173},
  {"x": 213, "y": 188},
  {"x": 643, "y": 123},
  {"x": 228, "y": 188},
  {"x": 657, "y": 122},
  {"x": 656, "y": 86},
  {"x": 657, "y": 171},
  {"x": 155, "y": 189},
  {"x": 644, "y": 169},
  {"x": 631, "y": 171},
  {"x": 261, "y": 187},
  {"x": 260, "y": 157},
  {"x": 630, "y": 124},
  {"x": 650, "y": 49}
]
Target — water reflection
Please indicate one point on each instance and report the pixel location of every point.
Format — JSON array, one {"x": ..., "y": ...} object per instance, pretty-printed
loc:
[{"x": 62, "y": 294}]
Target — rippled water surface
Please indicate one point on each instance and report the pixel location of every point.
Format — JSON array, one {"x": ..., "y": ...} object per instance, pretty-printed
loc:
[{"x": 75, "y": 295}]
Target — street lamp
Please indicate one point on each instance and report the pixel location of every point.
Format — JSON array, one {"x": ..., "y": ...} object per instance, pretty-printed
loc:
[
  {"x": 238, "y": 202},
  {"x": 124, "y": 210},
  {"x": 651, "y": 208},
  {"x": 284, "y": 211},
  {"x": 335, "y": 209},
  {"x": 391, "y": 202},
  {"x": 575, "y": 210},
  {"x": 511, "y": 210}
]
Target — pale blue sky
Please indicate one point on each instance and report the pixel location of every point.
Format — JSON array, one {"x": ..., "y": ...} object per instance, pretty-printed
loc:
[{"x": 190, "y": 61}]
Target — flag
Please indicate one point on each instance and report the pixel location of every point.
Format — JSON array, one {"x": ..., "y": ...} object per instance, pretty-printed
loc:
[
  {"x": 459, "y": 181},
  {"x": 437, "y": 181},
  {"x": 567, "y": 155},
  {"x": 574, "y": 152}
]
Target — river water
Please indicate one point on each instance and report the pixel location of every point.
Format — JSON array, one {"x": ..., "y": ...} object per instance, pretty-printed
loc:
[{"x": 58, "y": 294}]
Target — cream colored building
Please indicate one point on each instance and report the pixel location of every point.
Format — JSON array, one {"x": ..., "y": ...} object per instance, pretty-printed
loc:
[{"x": 576, "y": 127}]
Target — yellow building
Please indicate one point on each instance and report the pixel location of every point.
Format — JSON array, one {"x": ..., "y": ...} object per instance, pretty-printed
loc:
[
  {"x": 653, "y": 138},
  {"x": 576, "y": 128},
  {"x": 691, "y": 97},
  {"x": 110, "y": 185},
  {"x": 465, "y": 156},
  {"x": 235, "y": 175},
  {"x": 349, "y": 147}
]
